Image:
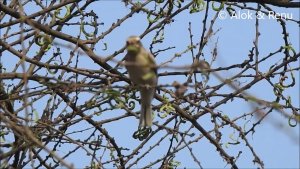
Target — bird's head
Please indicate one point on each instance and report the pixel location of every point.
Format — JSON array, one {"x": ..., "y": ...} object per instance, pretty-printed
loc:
[{"x": 133, "y": 44}]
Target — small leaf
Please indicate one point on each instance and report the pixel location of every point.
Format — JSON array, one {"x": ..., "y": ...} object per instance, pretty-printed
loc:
[
  {"x": 218, "y": 8},
  {"x": 293, "y": 120},
  {"x": 57, "y": 12},
  {"x": 105, "y": 46},
  {"x": 290, "y": 48}
]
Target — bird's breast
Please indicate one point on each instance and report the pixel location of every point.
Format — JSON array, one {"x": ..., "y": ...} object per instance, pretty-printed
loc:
[{"x": 138, "y": 70}]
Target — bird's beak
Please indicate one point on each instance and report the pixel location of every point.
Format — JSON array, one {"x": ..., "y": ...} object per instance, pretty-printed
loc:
[{"x": 132, "y": 48}]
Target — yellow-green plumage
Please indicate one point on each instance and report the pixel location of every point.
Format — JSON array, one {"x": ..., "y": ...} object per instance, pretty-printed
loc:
[{"x": 142, "y": 71}]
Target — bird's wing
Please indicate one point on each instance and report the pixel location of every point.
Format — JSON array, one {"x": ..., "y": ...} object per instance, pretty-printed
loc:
[{"x": 152, "y": 62}]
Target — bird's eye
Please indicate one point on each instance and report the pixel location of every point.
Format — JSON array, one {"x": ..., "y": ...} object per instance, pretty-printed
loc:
[{"x": 127, "y": 43}]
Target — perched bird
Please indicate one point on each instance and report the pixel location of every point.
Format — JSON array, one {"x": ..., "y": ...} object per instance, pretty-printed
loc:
[{"x": 142, "y": 70}]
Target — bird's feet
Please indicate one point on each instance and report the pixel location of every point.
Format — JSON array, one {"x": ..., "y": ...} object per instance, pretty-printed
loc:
[{"x": 142, "y": 133}]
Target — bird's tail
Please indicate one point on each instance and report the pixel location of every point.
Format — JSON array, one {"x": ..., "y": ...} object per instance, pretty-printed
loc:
[{"x": 146, "y": 108}]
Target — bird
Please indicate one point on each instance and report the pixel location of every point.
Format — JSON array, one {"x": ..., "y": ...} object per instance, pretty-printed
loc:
[{"x": 142, "y": 70}]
